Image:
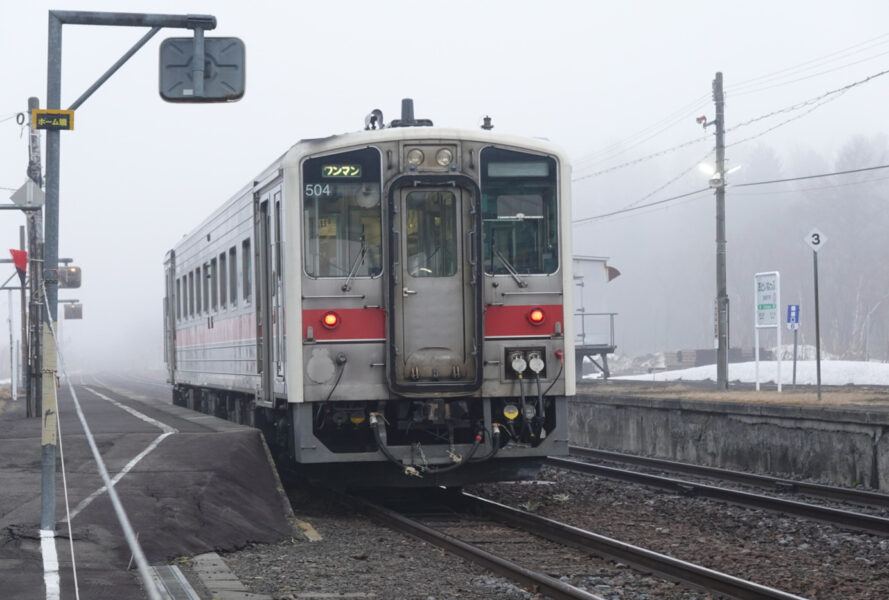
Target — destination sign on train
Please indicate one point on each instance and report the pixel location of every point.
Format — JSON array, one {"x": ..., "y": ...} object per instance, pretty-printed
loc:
[
  {"x": 52, "y": 119},
  {"x": 341, "y": 171}
]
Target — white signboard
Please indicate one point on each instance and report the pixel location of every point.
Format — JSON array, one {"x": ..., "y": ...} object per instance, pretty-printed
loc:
[
  {"x": 767, "y": 299},
  {"x": 767, "y": 296}
]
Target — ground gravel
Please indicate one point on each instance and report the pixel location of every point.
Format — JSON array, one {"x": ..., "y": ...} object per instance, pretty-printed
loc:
[{"x": 802, "y": 557}]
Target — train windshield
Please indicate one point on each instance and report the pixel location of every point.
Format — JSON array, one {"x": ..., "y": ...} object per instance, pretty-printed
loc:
[
  {"x": 519, "y": 210},
  {"x": 342, "y": 215}
]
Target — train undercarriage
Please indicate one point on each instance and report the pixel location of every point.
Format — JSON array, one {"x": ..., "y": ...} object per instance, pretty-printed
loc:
[{"x": 401, "y": 442}]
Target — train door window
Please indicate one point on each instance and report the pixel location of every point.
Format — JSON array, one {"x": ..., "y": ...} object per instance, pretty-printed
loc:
[
  {"x": 278, "y": 241},
  {"x": 520, "y": 213},
  {"x": 191, "y": 294},
  {"x": 223, "y": 284},
  {"x": 245, "y": 269},
  {"x": 212, "y": 280},
  {"x": 178, "y": 300},
  {"x": 342, "y": 215},
  {"x": 431, "y": 234},
  {"x": 233, "y": 275}
]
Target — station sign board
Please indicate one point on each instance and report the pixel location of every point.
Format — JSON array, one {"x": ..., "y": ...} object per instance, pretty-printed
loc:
[
  {"x": 54, "y": 120},
  {"x": 767, "y": 294}
]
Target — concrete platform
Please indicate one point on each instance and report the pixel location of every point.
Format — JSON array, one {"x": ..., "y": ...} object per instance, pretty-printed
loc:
[
  {"x": 190, "y": 484},
  {"x": 842, "y": 439}
]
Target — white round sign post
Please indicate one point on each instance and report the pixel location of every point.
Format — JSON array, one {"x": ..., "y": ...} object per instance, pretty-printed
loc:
[{"x": 816, "y": 240}]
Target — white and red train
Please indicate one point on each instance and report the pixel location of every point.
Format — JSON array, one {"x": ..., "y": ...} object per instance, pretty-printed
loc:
[{"x": 391, "y": 306}]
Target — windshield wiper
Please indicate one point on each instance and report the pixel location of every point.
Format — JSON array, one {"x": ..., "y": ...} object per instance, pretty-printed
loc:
[
  {"x": 359, "y": 260},
  {"x": 511, "y": 269}
]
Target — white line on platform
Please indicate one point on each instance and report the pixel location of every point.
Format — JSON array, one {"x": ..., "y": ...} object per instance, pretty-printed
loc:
[
  {"x": 168, "y": 431},
  {"x": 50, "y": 564}
]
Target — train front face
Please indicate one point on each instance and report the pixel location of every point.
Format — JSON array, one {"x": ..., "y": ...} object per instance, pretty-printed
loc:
[{"x": 435, "y": 276}]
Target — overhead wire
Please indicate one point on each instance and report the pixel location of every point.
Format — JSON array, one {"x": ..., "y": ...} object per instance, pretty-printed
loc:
[
  {"x": 792, "y": 71},
  {"x": 738, "y": 185},
  {"x": 616, "y": 149}
]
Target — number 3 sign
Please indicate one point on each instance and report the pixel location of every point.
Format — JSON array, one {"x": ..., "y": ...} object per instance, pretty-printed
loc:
[{"x": 815, "y": 239}]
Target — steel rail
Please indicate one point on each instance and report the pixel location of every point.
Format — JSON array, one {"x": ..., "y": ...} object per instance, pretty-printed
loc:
[
  {"x": 834, "y": 516},
  {"x": 549, "y": 586},
  {"x": 864, "y": 497},
  {"x": 638, "y": 558}
]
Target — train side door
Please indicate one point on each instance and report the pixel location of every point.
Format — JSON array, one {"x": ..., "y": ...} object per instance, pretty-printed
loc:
[
  {"x": 269, "y": 292},
  {"x": 433, "y": 291}
]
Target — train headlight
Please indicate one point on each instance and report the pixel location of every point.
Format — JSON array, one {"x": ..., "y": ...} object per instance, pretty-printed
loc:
[
  {"x": 510, "y": 412},
  {"x": 330, "y": 320},
  {"x": 444, "y": 157},
  {"x": 415, "y": 157}
]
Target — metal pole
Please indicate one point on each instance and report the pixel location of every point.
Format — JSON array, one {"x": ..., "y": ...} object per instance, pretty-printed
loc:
[
  {"x": 795, "y": 333},
  {"x": 11, "y": 353},
  {"x": 48, "y": 412},
  {"x": 24, "y": 343},
  {"x": 721, "y": 288},
  {"x": 197, "y": 67},
  {"x": 817, "y": 327}
]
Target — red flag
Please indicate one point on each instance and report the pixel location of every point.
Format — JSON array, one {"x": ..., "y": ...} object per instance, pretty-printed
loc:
[{"x": 20, "y": 259}]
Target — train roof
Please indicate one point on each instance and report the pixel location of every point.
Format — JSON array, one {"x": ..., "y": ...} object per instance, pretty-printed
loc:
[{"x": 309, "y": 146}]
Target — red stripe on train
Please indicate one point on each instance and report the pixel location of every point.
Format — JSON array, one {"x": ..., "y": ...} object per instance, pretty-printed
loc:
[
  {"x": 514, "y": 321},
  {"x": 354, "y": 324}
]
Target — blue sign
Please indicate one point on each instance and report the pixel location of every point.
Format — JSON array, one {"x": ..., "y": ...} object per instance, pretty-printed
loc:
[{"x": 792, "y": 314}]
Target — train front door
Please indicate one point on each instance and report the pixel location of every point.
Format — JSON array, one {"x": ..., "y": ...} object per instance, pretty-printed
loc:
[{"x": 434, "y": 290}]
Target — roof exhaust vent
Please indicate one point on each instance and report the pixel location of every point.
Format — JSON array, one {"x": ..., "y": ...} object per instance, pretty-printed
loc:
[{"x": 407, "y": 116}]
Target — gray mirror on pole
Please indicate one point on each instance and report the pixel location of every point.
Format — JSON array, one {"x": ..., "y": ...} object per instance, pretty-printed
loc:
[{"x": 223, "y": 69}]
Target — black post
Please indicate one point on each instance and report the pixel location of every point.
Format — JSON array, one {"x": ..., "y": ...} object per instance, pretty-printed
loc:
[{"x": 817, "y": 327}]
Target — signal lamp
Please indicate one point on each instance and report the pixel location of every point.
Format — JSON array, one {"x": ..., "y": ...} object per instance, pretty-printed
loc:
[
  {"x": 330, "y": 320},
  {"x": 510, "y": 412},
  {"x": 536, "y": 316}
]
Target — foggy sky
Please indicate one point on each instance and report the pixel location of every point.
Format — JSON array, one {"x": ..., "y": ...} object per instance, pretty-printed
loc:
[{"x": 138, "y": 173}]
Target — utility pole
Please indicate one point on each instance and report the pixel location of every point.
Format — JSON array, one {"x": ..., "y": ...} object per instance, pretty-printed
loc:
[
  {"x": 35, "y": 274},
  {"x": 722, "y": 304}
]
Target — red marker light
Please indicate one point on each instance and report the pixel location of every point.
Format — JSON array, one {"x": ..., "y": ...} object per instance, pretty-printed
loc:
[
  {"x": 330, "y": 320},
  {"x": 536, "y": 316}
]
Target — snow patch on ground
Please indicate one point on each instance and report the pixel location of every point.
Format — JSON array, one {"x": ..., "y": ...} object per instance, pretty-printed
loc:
[{"x": 833, "y": 372}]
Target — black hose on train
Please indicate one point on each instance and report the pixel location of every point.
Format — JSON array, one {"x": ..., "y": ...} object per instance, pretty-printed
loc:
[
  {"x": 376, "y": 424},
  {"x": 495, "y": 446}
]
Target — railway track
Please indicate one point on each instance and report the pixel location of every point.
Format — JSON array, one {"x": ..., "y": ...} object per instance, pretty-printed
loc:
[
  {"x": 589, "y": 543},
  {"x": 784, "y": 486},
  {"x": 842, "y": 518}
]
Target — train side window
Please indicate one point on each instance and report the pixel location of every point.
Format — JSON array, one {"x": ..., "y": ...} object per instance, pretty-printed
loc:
[
  {"x": 213, "y": 282},
  {"x": 191, "y": 294},
  {"x": 233, "y": 275},
  {"x": 245, "y": 269},
  {"x": 205, "y": 284},
  {"x": 178, "y": 300},
  {"x": 223, "y": 284},
  {"x": 198, "y": 293}
]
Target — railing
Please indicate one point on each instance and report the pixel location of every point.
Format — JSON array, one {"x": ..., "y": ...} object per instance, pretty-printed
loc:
[{"x": 592, "y": 329}]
